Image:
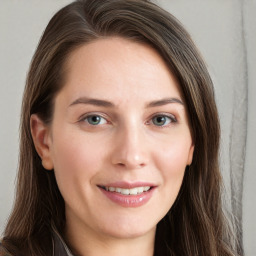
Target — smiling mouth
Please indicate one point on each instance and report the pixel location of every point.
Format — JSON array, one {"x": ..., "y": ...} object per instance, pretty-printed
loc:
[{"x": 127, "y": 191}]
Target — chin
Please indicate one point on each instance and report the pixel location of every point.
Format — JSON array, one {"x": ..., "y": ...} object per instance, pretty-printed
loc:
[{"x": 128, "y": 230}]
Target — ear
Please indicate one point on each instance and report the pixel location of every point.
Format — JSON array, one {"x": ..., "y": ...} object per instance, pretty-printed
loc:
[
  {"x": 190, "y": 154},
  {"x": 42, "y": 140}
]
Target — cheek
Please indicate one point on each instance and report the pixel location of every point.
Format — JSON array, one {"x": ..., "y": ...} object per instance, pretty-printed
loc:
[
  {"x": 76, "y": 159},
  {"x": 172, "y": 161},
  {"x": 174, "y": 155}
]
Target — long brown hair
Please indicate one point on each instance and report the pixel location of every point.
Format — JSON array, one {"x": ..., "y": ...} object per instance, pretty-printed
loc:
[{"x": 195, "y": 225}]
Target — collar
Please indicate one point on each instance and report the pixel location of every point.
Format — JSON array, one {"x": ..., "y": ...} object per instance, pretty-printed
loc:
[{"x": 59, "y": 246}]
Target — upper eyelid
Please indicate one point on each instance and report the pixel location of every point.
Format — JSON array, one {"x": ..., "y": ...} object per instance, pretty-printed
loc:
[
  {"x": 86, "y": 115},
  {"x": 172, "y": 116}
]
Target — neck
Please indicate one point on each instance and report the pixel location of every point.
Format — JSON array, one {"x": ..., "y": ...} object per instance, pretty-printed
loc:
[{"x": 86, "y": 242}]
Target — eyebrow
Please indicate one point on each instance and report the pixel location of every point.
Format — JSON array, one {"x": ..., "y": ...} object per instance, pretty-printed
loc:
[
  {"x": 105, "y": 103},
  {"x": 91, "y": 101},
  {"x": 163, "y": 102}
]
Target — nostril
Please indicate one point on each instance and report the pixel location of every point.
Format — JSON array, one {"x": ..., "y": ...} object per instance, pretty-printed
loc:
[
  {"x": 121, "y": 164},
  {"x": 130, "y": 165}
]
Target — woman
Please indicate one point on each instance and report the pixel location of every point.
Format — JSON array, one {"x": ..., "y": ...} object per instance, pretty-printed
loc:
[{"x": 119, "y": 139}]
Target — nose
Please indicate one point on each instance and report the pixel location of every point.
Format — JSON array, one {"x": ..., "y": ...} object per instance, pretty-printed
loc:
[{"x": 130, "y": 150}]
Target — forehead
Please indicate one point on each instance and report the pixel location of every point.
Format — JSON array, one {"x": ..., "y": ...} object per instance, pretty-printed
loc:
[{"x": 112, "y": 67}]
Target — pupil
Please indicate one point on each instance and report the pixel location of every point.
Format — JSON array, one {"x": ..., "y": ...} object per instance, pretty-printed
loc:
[
  {"x": 95, "y": 119},
  {"x": 160, "y": 120}
]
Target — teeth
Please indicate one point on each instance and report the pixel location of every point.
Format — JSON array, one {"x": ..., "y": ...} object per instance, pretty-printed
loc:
[
  {"x": 126, "y": 191},
  {"x": 111, "y": 189},
  {"x": 118, "y": 190},
  {"x": 134, "y": 191}
]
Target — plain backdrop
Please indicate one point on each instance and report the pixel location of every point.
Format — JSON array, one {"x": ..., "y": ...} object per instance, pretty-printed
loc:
[{"x": 225, "y": 33}]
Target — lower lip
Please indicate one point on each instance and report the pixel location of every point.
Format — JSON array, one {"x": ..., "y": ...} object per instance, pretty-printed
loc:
[{"x": 129, "y": 200}]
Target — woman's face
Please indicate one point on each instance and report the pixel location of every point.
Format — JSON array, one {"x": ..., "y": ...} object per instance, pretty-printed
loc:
[{"x": 120, "y": 140}]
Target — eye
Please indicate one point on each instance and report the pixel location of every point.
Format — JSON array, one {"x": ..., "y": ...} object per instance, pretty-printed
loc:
[
  {"x": 95, "y": 120},
  {"x": 163, "y": 120}
]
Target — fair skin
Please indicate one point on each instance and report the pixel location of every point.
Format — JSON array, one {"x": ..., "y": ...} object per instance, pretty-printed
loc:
[{"x": 118, "y": 122}]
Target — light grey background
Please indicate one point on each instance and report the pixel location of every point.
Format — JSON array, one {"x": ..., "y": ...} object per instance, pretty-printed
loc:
[{"x": 225, "y": 32}]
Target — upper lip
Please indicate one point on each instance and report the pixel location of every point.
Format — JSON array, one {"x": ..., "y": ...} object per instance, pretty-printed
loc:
[{"x": 128, "y": 185}]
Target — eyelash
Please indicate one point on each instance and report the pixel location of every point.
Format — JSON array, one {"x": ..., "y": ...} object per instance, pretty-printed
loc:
[{"x": 172, "y": 119}]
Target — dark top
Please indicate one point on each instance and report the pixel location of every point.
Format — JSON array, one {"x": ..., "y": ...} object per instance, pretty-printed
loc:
[{"x": 59, "y": 246}]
